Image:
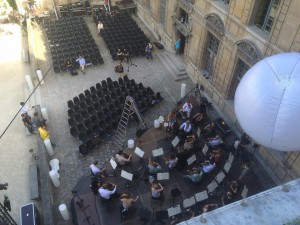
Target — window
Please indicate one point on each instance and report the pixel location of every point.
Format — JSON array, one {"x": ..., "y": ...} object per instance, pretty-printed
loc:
[
  {"x": 211, "y": 52},
  {"x": 240, "y": 70},
  {"x": 163, "y": 12},
  {"x": 226, "y": 2},
  {"x": 266, "y": 13}
]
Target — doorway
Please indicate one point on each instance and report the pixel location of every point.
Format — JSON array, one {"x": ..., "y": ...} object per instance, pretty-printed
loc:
[{"x": 182, "y": 42}]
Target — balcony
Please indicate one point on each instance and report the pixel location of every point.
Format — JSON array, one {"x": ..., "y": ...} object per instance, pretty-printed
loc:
[
  {"x": 186, "y": 5},
  {"x": 185, "y": 28}
]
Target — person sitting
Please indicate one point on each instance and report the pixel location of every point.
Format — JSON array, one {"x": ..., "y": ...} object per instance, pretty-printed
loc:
[
  {"x": 234, "y": 187},
  {"x": 69, "y": 66},
  {"x": 172, "y": 118},
  {"x": 171, "y": 161},
  {"x": 107, "y": 190},
  {"x": 96, "y": 171},
  {"x": 186, "y": 110},
  {"x": 227, "y": 198},
  {"x": 153, "y": 167},
  {"x": 95, "y": 185},
  {"x": 189, "y": 142},
  {"x": 186, "y": 129},
  {"x": 214, "y": 141},
  {"x": 123, "y": 158},
  {"x": 210, "y": 207},
  {"x": 156, "y": 190},
  {"x": 216, "y": 156},
  {"x": 127, "y": 202},
  {"x": 210, "y": 130},
  {"x": 195, "y": 176},
  {"x": 198, "y": 119},
  {"x": 207, "y": 166}
]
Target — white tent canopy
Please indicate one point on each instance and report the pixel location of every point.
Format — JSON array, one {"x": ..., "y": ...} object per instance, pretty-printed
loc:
[{"x": 267, "y": 102}]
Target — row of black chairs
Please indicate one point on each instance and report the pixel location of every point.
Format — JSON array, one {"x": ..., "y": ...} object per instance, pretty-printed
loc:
[
  {"x": 96, "y": 112},
  {"x": 122, "y": 32},
  {"x": 68, "y": 43}
]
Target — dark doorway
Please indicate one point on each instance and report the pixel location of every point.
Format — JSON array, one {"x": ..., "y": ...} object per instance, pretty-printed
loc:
[{"x": 182, "y": 42}]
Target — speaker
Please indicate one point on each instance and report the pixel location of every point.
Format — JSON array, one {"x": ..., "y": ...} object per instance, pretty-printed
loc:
[{"x": 140, "y": 132}]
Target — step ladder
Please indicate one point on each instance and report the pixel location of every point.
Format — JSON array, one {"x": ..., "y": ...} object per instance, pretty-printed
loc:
[{"x": 130, "y": 108}]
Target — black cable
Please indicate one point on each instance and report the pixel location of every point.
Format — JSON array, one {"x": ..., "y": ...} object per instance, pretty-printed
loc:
[{"x": 25, "y": 102}]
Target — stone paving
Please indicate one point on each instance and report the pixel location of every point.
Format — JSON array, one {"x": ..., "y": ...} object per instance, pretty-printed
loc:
[{"x": 59, "y": 88}]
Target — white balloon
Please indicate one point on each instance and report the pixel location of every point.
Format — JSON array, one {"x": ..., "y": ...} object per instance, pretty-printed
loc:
[{"x": 267, "y": 102}]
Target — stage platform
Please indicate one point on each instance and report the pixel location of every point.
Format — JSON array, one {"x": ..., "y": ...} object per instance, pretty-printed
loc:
[{"x": 155, "y": 138}]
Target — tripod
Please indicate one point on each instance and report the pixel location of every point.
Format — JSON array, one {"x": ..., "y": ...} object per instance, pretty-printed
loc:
[{"x": 131, "y": 64}]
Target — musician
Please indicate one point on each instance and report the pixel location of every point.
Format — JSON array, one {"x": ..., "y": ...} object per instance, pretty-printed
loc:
[
  {"x": 120, "y": 55},
  {"x": 207, "y": 166},
  {"x": 189, "y": 142},
  {"x": 195, "y": 176},
  {"x": 186, "y": 129},
  {"x": 215, "y": 141},
  {"x": 153, "y": 167},
  {"x": 216, "y": 156},
  {"x": 126, "y": 55},
  {"x": 127, "y": 201},
  {"x": 171, "y": 161},
  {"x": 156, "y": 190},
  {"x": 107, "y": 190},
  {"x": 186, "y": 109},
  {"x": 198, "y": 119},
  {"x": 123, "y": 158},
  {"x": 96, "y": 171},
  {"x": 210, "y": 130}
]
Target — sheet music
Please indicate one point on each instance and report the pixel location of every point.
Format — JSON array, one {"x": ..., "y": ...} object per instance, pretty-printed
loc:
[
  {"x": 244, "y": 192},
  {"x": 227, "y": 166},
  {"x": 201, "y": 196},
  {"x": 191, "y": 159},
  {"x": 163, "y": 176},
  {"x": 198, "y": 132},
  {"x": 174, "y": 211},
  {"x": 175, "y": 141},
  {"x": 189, "y": 202},
  {"x": 205, "y": 149},
  {"x": 157, "y": 152},
  {"x": 139, "y": 152},
  {"x": 113, "y": 163},
  {"x": 212, "y": 186},
  {"x": 220, "y": 177},
  {"x": 126, "y": 175}
]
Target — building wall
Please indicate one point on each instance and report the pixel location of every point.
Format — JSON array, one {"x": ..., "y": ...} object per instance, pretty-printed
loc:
[{"x": 236, "y": 23}]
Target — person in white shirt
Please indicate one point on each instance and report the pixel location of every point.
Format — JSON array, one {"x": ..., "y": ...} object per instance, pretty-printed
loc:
[
  {"x": 24, "y": 108},
  {"x": 187, "y": 108},
  {"x": 107, "y": 190},
  {"x": 100, "y": 27},
  {"x": 95, "y": 170},
  {"x": 171, "y": 161},
  {"x": 186, "y": 127},
  {"x": 122, "y": 158}
]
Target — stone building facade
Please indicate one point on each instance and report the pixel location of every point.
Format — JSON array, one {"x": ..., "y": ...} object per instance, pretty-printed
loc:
[{"x": 221, "y": 40}]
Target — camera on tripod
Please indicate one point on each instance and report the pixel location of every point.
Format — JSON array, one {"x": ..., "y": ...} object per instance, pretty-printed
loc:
[{"x": 3, "y": 186}]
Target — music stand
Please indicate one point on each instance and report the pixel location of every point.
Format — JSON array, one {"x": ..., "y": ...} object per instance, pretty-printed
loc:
[
  {"x": 175, "y": 141},
  {"x": 173, "y": 211},
  {"x": 157, "y": 152},
  {"x": 191, "y": 160},
  {"x": 113, "y": 163},
  {"x": 163, "y": 176}
]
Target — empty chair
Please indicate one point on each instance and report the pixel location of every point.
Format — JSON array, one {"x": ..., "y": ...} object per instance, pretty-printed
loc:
[
  {"x": 84, "y": 114},
  {"x": 141, "y": 86},
  {"x": 83, "y": 150},
  {"x": 88, "y": 124},
  {"x": 87, "y": 93},
  {"x": 71, "y": 113},
  {"x": 109, "y": 80},
  {"x": 95, "y": 98},
  {"x": 71, "y": 104},
  {"x": 82, "y": 98},
  {"x": 80, "y": 128},
  {"x": 121, "y": 81},
  {"x": 100, "y": 115},
  {"x": 126, "y": 80},
  {"x": 158, "y": 97},
  {"x": 72, "y": 122},
  {"x": 82, "y": 105},
  {"x": 111, "y": 106},
  {"x": 107, "y": 98},
  {"x": 105, "y": 91},
  {"x": 97, "y": 107},
  {"x": 74, "y": 132},
  {"x": 76, "y": 100},
  {"x": 91, "y": 111},
  {"x": 116, "y": 84},
  {"x": 94, "y": 119},
  {"x": 104, "y": 83},
  {"x": 98, "y": 87},
  {"x": 93, "y": 90},
  {"x": 132, "y": 82},
  {"x": 89, "y": 102},
  {"x": 96, "y": 129}
]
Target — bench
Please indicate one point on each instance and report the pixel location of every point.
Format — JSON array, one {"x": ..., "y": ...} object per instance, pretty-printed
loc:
[{"x": 33, "y": 180}]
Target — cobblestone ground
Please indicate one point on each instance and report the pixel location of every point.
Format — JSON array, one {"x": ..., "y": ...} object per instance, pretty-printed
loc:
[{"x": 59, "y": 88}]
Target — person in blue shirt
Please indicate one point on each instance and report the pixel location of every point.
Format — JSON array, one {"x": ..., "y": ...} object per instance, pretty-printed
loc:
[
  {"x": 177, "y": 45},
  {"x": 82, "y": 63}
]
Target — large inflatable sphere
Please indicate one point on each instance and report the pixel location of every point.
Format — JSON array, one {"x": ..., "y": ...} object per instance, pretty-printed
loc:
[{"x": 267, "y": 102}]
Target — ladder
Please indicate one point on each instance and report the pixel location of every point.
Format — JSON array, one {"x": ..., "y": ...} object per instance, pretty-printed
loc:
[
  {"x": 5, "y": 217},
  {"x": 130, "y": 108}
]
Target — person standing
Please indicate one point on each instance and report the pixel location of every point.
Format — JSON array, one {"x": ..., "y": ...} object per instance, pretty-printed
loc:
[
  {"x": 24, "y": 108},
  {"x": 127, "y": 202},
  {"x": 148, "y": 51},
  {"x": 178, "y": 45},
  {"x": 100, "y": 27},
  {"x": 126, "y": 55},
  {"x": 27, "y": 122},
  {"x": 120, "y": 55},
  {"x": 82, "y": 63},
  {"x": 119, "y": 69},
  {"x": 44, "y": 134}
]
